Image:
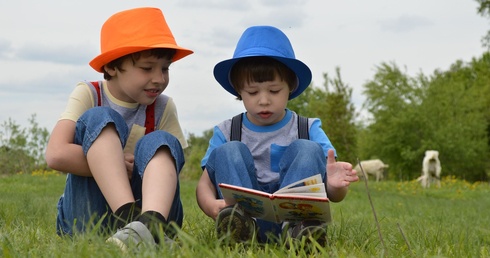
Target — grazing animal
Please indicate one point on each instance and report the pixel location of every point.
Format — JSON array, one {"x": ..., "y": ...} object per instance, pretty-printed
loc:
[
  {"x": 431, "y": 169},
  {"x": 374, "y": 167}
]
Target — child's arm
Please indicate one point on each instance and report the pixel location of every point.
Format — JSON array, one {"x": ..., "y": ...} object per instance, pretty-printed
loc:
[
  {"x": 207, "y": 197},
  {"x": 62, "y": 154},
  {"x": 339, "y": 176}
]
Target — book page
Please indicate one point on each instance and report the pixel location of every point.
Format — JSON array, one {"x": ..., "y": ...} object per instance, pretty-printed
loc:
[
  {"x": 309, "y": 181},
  {"x": 300, "y": 209},
  {"x": 317, "y": 190},
  {"x": 256, "y": 203}
]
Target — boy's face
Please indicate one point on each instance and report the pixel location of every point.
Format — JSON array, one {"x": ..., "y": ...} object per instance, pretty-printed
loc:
[
  {"x": 141, "y": 82},
  {"x": 265, "y": 102}
]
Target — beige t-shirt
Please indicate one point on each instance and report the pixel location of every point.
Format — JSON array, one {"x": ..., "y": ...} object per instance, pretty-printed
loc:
[{"x": 82, "y": 99}]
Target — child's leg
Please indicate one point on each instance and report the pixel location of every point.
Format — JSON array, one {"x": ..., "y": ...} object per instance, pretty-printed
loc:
[
  {"x": 159, "y": 183},
  {"x": 159, "y": 159},
  {"x": 106, "y": 162},
  {"x": 84, "y": 199},
  {"x": 302, "y": 159},
  {"x": 232, "y": 163}
]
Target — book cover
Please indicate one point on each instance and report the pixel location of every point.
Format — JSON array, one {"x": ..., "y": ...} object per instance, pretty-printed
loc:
[{"x": 305, "y": 199}]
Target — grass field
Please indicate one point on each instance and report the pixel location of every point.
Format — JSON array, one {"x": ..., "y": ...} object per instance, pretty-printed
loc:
[{"x": 451, "y": 221}]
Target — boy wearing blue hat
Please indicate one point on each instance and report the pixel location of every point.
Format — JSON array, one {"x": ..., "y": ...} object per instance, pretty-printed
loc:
[{"x": 269, "y": 155}]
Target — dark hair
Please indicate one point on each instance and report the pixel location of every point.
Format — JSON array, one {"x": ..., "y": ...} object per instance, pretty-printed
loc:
[
  {"x": 156, "y": 52},
  {"x": 260, "y": 69}
]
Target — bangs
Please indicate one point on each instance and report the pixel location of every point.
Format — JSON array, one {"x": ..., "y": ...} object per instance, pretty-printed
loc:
[{"x": 260, "y": 69}]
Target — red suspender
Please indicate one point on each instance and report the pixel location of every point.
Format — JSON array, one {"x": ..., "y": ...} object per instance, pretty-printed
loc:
[
  {"x": 150, "y": 110},
  {"x": 150, "y": 118},
  {"x": 97, "y": 88}
]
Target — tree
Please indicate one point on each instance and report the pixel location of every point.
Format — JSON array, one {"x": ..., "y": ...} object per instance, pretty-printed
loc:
[
  {"x": 457, "y": 99},
  {"x": 332, "y": 105},
  {"x": 340, "y": 117},
  {"x": 484, "y": 10},
  {"x": 37, "y": 139},
  {"x": 446, "y": 112},
  {"x": 22, "y": 149},
  {"x": 394, "y": 134}
]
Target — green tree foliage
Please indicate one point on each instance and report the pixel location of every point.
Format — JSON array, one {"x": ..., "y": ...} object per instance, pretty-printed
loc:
[
  {"x": 447, "y": 112},
  {"x": 391, "y": 98},
  {"x": 22, "y": 149},
  {"x": 332, "y": 105},
  {"x": 484, "y": 10},
  {"x": 480, "y": 77}
]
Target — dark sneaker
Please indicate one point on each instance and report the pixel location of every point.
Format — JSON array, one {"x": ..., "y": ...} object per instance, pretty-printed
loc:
[
  {"x": 232, "y": 222},
  {"x": 132, "y": 236},
  {"x": 310, "y": 229}
]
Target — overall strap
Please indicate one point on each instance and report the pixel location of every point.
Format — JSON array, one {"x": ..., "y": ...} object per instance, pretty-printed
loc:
[
  {"x": 236, "y": 128},
  {"x": 150, "y": 118},
  {"x": 303, "y": 132},
  {"x": 150, "y": 110},
  {"x": 97, "y": 89}
]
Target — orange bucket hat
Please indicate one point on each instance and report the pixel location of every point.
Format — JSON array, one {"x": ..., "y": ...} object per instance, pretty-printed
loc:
[{"x": 132, "y": 31}]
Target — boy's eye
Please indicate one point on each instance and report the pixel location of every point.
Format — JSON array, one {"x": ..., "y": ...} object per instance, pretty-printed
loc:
[
  {"x": 146, "y": 68},
  {"x": 275, "y": 91},
  {"x": 252, "y": 93}
]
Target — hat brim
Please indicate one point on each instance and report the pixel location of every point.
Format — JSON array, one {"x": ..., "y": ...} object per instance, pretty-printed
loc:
[
  {"x": 303, "y": 73},
  {"x": 99, "y": 61}
]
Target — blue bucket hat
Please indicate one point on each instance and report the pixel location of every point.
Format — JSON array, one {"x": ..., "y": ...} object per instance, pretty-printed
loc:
[{"x": 264, "y": 41}]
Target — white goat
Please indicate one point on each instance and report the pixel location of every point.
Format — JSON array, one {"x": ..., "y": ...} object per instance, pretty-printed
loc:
[
  {"x": 374, "y": 167},
  {"x": 431, "y": 169}
]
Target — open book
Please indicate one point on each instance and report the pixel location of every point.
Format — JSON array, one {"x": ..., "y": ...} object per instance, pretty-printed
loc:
[{"x": 304, "y": 199}]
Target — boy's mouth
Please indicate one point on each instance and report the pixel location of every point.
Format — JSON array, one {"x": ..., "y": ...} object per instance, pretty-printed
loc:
[
  {"x": 265, "y": 115},
  {"x": 152, "y": 93}
]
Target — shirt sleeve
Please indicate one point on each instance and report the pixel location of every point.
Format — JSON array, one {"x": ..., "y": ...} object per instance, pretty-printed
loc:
[
  {"x": 216, "y": 140},
  {"x": 170, "y": 123},
  {"x": 80, "y": 100},
  {"x": 318, "y": 135}
]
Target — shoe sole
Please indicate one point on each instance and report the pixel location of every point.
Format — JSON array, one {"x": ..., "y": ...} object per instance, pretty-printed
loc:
[
  {"x": 117, "y": 242},
  {"x": 239, "y": 227}
]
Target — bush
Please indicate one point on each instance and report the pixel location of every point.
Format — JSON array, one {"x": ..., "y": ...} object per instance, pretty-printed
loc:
[{"x": 22, "y": 149}]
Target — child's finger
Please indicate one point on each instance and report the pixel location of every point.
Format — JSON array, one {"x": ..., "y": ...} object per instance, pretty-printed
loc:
[{"x": 330, "y": 157}]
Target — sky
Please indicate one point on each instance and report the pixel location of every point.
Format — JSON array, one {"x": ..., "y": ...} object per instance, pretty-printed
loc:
[{"x": 45, "y": 46}]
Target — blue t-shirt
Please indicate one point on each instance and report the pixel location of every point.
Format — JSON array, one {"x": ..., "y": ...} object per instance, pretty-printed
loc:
[{"x": 268, "y": 143}]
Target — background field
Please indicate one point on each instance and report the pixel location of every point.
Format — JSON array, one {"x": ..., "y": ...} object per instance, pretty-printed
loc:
[{"x": 451, "y": 221}]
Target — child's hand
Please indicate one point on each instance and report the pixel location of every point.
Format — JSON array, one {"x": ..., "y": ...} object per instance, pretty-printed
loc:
[
  {"x": 339, "y": 174},
  {"x": 129, "y": 162},
  {"x": 218, "y": 206}
]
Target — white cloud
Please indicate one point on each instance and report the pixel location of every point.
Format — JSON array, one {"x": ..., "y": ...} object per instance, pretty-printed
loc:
[
  {"x": 61, "y": 54},
  {"x": 405, "y": 23}
]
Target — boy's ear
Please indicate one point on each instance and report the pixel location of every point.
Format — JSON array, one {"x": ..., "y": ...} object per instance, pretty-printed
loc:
[{"x": 109, "y": 70}]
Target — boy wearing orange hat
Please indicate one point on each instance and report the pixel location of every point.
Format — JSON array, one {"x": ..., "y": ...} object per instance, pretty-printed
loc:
[
  {"x": 269, "y": 153},
  {"x": 119, "y": 140}
]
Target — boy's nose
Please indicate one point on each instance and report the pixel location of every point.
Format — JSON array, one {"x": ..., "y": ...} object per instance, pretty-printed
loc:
[
  {"x": 264, "y": 99},
  {"x": 159, "y": 77}
]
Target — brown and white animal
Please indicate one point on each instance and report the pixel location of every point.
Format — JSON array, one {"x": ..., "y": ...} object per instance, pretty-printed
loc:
[
  {"x": 431, "y": 169},
  {"x": 374, "y": 167}
]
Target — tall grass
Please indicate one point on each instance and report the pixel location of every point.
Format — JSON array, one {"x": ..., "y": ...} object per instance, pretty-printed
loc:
[{"x": 450, "y": 221}]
